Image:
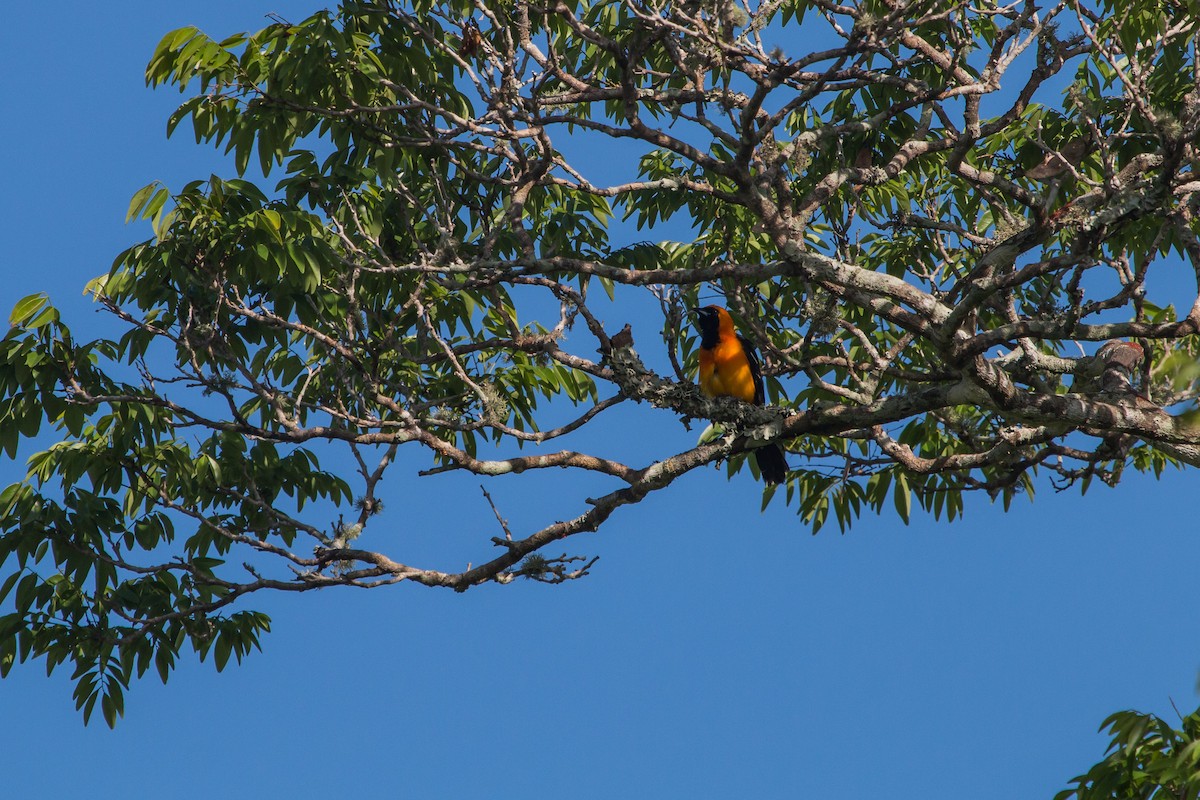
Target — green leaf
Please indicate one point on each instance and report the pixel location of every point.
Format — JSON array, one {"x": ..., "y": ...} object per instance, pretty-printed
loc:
[
  {"x": 902, "y": 496},
  {"x": 139, "y": 201},
  {"x": 222, "y": 649},
  {"x": 26, "y": 308}
]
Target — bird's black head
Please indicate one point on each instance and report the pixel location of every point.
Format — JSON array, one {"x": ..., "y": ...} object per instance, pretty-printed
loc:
[{"x": 708, "y": 322}]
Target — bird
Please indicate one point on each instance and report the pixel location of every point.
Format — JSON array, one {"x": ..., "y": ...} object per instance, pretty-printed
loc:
[
  {"x": 1056, "y": 162},
  {"x": 729, "y": 368},
  {"x": 1113, "y": 370}
]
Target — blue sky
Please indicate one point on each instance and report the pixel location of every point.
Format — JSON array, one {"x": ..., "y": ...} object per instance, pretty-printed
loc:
[{"x": 714, "y": 652}]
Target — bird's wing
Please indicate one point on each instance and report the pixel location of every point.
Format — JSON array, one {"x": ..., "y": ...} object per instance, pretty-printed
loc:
[{"x": 755, "y": 369}]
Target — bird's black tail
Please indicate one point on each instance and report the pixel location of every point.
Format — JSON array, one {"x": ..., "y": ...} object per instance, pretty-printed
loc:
[{"x": 771, "y": 463}]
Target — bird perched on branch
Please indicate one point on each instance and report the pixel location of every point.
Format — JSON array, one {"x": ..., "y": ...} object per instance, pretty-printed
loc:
[
  {"x": 1113, "y": 370},
  {"x": 472, "y": 38},
  {"x": 729, "y": 368},
  {"x": 1057, "y": 162}
]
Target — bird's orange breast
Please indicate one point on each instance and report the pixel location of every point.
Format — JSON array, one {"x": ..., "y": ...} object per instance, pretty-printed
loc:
[{"x": 725, "y": 372}]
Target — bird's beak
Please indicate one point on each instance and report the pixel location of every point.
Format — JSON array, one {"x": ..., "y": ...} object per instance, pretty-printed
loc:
[{"x": 692, "y": 312}]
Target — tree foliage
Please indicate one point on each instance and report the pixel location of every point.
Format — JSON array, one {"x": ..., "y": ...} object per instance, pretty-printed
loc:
[
  {"x": 1147, "y": 759},
  {"x": 928, "y": 215}
]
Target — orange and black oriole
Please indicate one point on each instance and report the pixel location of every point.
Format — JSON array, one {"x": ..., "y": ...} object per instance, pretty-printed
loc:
[{"x": 729, "y": 368}]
